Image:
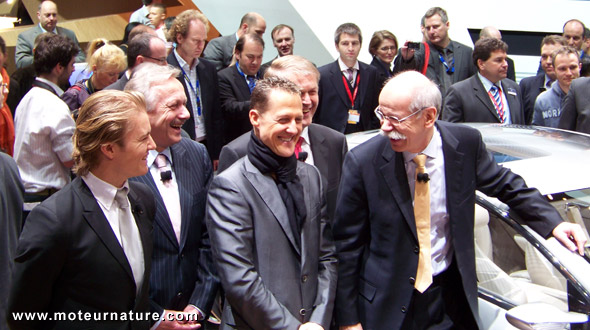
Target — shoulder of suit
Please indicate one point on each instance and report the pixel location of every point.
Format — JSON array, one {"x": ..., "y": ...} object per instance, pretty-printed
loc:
[
  {"x": 227, "y": 72},
  {"x": 460, "y": 45},
  {"x": 460, "y": 131},
  {"x": 326, "y": 131},
  {"x": 191, "y": 146},
  {"x": 328, "y": 67},
  {"x": 582, "y": 81}
]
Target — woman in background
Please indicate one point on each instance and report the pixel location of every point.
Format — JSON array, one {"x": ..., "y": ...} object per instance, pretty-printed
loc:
[{"x": 383, "y": 46}]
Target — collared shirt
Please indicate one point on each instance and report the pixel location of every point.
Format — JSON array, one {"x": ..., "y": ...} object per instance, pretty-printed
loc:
[
  {"x": 43, "y": 129},
  {"x": 44, "y": 31},
  {"x": 548, "y": 82},
  {"x": 487, "y": 85},
  {"x": 190, "y": 72},
  {"x": 440, "y": 230},
  {"x": 306, "y": 145},
  {"x": 345, "y": 68},
  {"x": 104, "y": 193},
  {"x": 55, "y": 87}
]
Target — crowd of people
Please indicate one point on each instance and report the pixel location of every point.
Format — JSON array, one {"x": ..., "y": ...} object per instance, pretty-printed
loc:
[{"x": 177, "y": 183}]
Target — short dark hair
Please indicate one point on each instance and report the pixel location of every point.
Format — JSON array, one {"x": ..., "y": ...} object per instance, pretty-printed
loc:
[
  {"x": 279, "y": 28},
  {"x": 554, "y": 39},
  {"x": 147, "y": 2},
  {"x": 586, "y": 33},
  {"x": 248, "y": 37},
  {"x": 2, "y": 45},
  {"x": 483, "y": 48},
  {"x": 585, "y": 70},
  {"x": 435, "y": 11},
  {"x": 348, "y": 28},
  {"x": 139, "y": 45},
  {"x": 261, "y": 93},
  {"x": 53, "y": 50}
]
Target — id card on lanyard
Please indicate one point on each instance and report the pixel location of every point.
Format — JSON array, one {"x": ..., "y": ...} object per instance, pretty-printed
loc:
[
  {"x": 200, "y": 132},
  {"x": 353, "y": 115}
]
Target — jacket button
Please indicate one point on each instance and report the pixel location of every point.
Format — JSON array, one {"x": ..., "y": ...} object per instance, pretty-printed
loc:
[
  {"x": 302, "y": 312},
  {"x": 179, "y": 294},
  {"x": 304, "y": 278},
  {"x": 404, "y": 309},
  {"x": 416, "y": 250},
  {"x": 412, "y": 280}
]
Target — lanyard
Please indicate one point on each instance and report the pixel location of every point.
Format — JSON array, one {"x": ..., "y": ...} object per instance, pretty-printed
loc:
[
  {"x": 194, "y": 90},
  {"x": 352, "y": 96},
  {"x": 450, "y": 69}
]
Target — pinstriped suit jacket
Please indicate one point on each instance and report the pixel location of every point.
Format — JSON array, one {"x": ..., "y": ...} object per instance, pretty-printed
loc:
[{"x": 183, "y": 273}]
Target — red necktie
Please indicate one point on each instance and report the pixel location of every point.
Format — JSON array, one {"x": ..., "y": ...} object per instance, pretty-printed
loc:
[{"x": 298, "y": 147}]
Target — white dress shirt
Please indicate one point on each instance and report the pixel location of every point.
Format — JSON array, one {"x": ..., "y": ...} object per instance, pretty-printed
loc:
[
  {"x": 306, "y": 146},
  {"x": 487, "y": 85},
  {"x": 190, "y": 72}
]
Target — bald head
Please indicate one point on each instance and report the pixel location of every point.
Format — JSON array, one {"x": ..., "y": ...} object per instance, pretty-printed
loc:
[
  {"x": 413, "y": 86},
  {"x": 47, "y": 15},
  {"x": 252, "y": 23},
  {"x": 573, "y": 31},
  {"x": 490, "y": 32}
]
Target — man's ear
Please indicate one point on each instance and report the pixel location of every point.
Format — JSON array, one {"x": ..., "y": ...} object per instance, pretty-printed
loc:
[
  {"x": 108, "y": 150},
  {"x": 254, "y": 118},
  {"x": 429, "y": 116}
]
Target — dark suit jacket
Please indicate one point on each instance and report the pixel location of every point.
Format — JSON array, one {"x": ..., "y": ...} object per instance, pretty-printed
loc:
[
  {"x": 68, "y": 259},
  {"x": 23, "y": 52},
  {"x": 382, "y": 69},
  {"x": 327, "y": 146},
  {"x": 530, "y": 88},
  {"x": 183, "y": 273},
  {"x": 375, "y": 231},
  {"x": 334, "y": 101},
  {"x": 235, "y": 103},
  {"x": 209, "y": 103},
  {"x": 575, "y": 108},
  {"x": 270, "y": 281},
  {"x": 219, "y": 51},
  {"x": 21, "y": 82},
  {"x": 11, "y": 211},
  {"x": 468, "y": 101}
]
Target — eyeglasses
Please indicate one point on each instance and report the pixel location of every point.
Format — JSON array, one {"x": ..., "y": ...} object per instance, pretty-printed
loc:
[
  {"x": 386, "y": 49},
  {"x": 393, "y": 120},
  {"x": 159, "y": 60}
]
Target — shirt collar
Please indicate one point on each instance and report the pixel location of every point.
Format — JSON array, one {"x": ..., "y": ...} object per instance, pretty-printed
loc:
[
  {"x": 183, "y": 64},
  {"x": 343, "y": 66},
  {"x": 42, "y": 29},
  {"x": 151, "y": 158},
  {"x": 55, "y": 87},
  {"x": 547, "y": 80},
  {"x": 487, "y": 84},
  {"x": 305, "y": 135},
  {"x": 431, "y": 150},
  {"x": 103, "y": 192}
]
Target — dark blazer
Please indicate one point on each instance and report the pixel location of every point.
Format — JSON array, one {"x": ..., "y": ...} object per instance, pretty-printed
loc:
[
  {"x": 235, "y": 103},
  {"x": 11, "y": 211},
  {"x": 375, "y": 231},
  {"x": 382, "y": 69},
  {"x": 220, "y": 50},
  {"x": 270, "y": 281},
  {"x": 69, "y": 260},
  {"x": 575, "y": 108},
  {"x": 209, "y": 102},
  {"x": 530, "y": 88},
  {"x": 327, "y": 146},
  {"x": 183, "y": 273},
  {"x": 23, "y": 52},
  {"x": 468, "y": 101},
  {"x": 21, "y": 82},
  {"x": 334, "y": 101}
]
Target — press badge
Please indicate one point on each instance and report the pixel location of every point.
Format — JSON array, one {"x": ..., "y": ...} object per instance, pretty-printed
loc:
[
  {"x": 353, "y": 116},
  {"x": 199, "y": 128}
]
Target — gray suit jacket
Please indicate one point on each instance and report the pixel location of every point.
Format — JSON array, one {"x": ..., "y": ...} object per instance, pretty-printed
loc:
[
  {"x": 23, "y": 54},
  {"x": 468, "y": 101},
  {"x": 575, "y": 108},
  {"x": 269, "y": 281},
  {"x": 220, "y": 50},
  {"x": 119, "y": 85}
]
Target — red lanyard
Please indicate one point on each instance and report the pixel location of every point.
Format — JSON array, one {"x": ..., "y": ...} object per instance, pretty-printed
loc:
[{"x": 352, "y": 97}]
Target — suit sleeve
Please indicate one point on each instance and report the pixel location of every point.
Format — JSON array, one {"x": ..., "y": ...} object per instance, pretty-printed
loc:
[
  {"x": 453, "y": 106},
  {"x": 23, "y": 54},
  {"x": 351, "y": 235},
  {"x": 214, "y": 54},
  {"x": 232, "y": 237},
  {"x": 40, "y": 257},
  {"x": 415, "y": 63},
  {"x": 569, "y": 112},
  {"x": 230, "y": 106}
]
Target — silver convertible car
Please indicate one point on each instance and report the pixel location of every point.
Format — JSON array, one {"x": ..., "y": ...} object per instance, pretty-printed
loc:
[{"x": 525, "y": 281}]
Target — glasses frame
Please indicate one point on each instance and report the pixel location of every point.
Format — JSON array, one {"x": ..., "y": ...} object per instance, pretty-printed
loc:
[
  {"x": 160, "y": 60},
  {"x": 393, "y": 120}
]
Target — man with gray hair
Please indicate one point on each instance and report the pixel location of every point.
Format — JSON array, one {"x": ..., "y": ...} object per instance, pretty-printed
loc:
[
  {"x": 221, "y": 49},
  {"x": 348, "y": 88},
  {"x": 183, "y": 277}
]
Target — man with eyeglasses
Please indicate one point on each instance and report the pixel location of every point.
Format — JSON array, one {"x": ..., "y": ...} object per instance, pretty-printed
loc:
[
  {"x": 199, "y": 79},
  {"x": 488, "y": 96},
  {"x": 144, "y": 47},
  {"x": 405, "y": 216}
]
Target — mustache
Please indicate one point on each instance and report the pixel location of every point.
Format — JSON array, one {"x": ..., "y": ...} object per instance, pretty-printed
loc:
[{"x": 393, "y": 135}]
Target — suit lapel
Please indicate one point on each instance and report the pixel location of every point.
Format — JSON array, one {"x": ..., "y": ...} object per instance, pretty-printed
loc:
[
  {"x": 513, "y": 104},
  {"x": 483, "y": 96},
  {"x": 268, "y": 191},
  {"x": 337, "y": 82},
  {"x": 458, "y": 57},
  {"x": 319, "y": 150},
  {"x": 363, "y": 84},
  {"x": 181, "y": 170},
  {"x": 453, "y": 168},
  {"x": 394, "y": 173},
  {"x": 241, "y": 83},
  {"x": 145, "y": 232}
]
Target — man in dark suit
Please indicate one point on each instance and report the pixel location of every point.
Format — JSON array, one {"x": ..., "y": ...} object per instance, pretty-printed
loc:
[
  {"x": 349, "y": 89},
  {"x": 220, "y": 50},
  {"x": 85, "y": 250},
  {"x": 144, "y": 47},
  {"x": 396, "y": 272},
  {"x": 199, "y": 79},
  {"x": 575, "y": 111},
  {"x": 47, "y": 15},
  {"x": 270, "y": 234},
  {"x": 448, "y": 61},
  {"x": 531, "y": 87},
  {"x": 183, "y": 276},
  {"x": 324, "y": 146},
  {"x": 236, "y": 84},
  {"x": 487, "y": 96}
]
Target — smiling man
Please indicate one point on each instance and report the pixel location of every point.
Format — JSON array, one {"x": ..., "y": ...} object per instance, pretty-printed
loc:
[
  {"x": 487, "y": 96},
  {"x": 269, "y": 229},
  {"x": 183, "y": 278},
  {"x": 348, "y": 88},
  {"x": 283, "y": 38}
]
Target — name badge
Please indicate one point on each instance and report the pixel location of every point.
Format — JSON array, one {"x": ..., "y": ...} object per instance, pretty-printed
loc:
[
  {"x": 200, "y": 130},
  {"x": 353, "y": 116}
]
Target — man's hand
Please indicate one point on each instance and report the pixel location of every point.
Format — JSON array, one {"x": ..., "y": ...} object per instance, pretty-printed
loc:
[
  {"x": 571, "y": 236},
  {"x": 407, "y": 53},
  {"x": 357, "y": 326},
  {"x": 310, "y": 326},
  {"x": 174, "y": 320}
]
